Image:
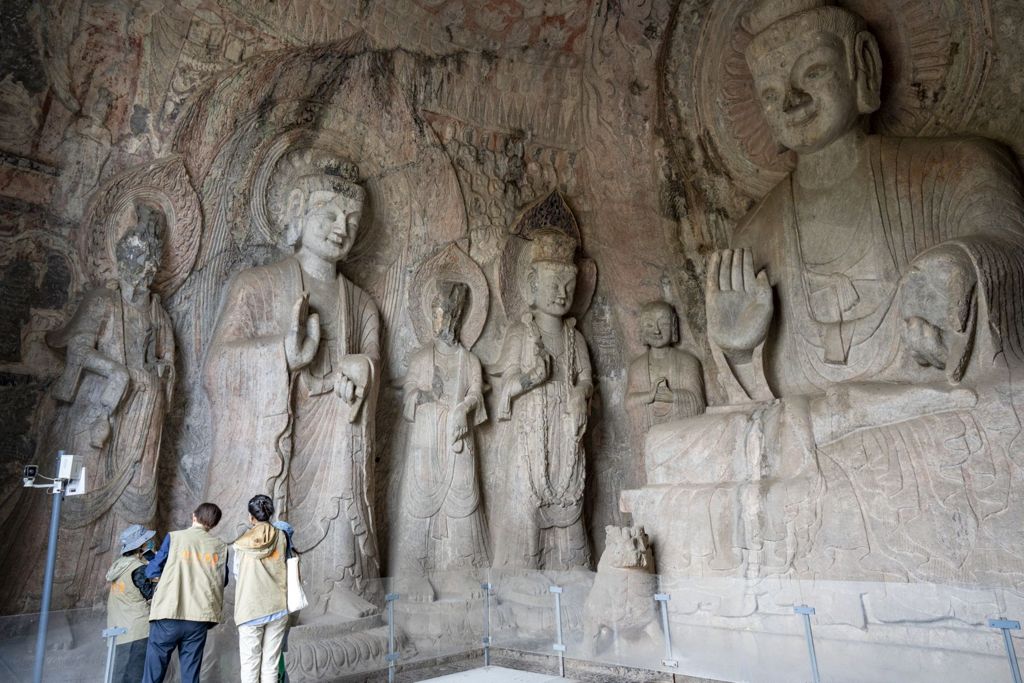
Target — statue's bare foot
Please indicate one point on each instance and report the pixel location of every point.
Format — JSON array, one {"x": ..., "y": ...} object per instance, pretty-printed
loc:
[
  {"x": 344, "y": 603},
  {"x": 531, "y": 583},
  {"x": 415, "y": 589}
]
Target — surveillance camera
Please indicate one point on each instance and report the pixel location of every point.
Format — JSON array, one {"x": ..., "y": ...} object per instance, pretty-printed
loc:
[{"x": 28, "y": 475}]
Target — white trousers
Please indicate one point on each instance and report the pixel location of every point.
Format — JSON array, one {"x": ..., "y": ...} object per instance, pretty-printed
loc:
[{"x": 259, "y": 648}]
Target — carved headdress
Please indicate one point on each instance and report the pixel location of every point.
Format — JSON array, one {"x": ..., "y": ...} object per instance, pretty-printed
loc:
[
  {"x": 551, "y": 245},
  {"x": 776, "y": 22},
  {"x": 308, "y": 171}
]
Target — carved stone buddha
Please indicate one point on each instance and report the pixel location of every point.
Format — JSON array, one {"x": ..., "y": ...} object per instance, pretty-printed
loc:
[{"x": 864, "y": 333}]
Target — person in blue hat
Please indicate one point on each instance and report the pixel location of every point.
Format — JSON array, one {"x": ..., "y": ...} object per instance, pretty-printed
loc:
[{"x": 128, "y": 602}]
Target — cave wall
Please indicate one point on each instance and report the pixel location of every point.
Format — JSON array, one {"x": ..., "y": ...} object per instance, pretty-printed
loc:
[{"x": 465, "y": 113}]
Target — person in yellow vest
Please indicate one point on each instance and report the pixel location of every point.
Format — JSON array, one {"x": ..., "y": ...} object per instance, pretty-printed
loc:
[
  {"x": 191, "y": 567},
  {"x": 128, "y": 602},
  {"x": 261, "y": 593}
]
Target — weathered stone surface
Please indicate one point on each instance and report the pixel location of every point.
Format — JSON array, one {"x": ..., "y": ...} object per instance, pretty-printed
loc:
[
  {"x": 643, "y": 120},
  {"x": 107, "y": 407},
  {"x": 864, "y": 335},
  {"x": 440, "y": 525}
]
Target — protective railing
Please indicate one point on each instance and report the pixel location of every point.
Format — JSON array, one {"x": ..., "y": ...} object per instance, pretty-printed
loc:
[{"x": 728, "y": 629}]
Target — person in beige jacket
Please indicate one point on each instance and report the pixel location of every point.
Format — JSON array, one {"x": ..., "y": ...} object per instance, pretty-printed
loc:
[
  {"x": 261, "y": 593},
  {"x": 191, "y": 567},
  {"x": 128, "y": 602}
]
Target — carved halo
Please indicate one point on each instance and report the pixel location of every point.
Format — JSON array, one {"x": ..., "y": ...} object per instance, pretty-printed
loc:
[
  {"x": 549, "y": 212},
  {"x": 165, "y": 184},
  {"x": 454, "y": 264},
  {"x": 935, "y": 58}
]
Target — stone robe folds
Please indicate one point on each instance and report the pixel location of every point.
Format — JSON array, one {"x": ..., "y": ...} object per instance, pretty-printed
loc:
[
  {"x": 872, "y": 467},
  {"x": 542, "y": 524},
  {"x": 121, "y": 472},
  {"x": 441, "y": 525},
  {"x": 685, "y": 380},
  {"x": 286, "y": 433}
]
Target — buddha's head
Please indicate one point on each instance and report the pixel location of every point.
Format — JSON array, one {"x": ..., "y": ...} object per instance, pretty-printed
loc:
[
  {"x": 324, "y": 209},
  {"x": 816, "y": 68},
  {"x": 659, "y": 325},
  {"x": 447, "y": 308},
  {"x": 552, "y": 276},
  {"x": 139, "y": 250}
]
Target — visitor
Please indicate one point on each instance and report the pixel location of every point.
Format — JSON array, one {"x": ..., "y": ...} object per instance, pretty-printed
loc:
[
  {"x": 261, "y": 595},
  {"x": 128, "y": 602},
  {"x": 191, "y": 567}
]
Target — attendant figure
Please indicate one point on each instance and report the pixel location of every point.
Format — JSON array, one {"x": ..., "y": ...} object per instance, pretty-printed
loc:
[
  {"x": 546, "y": 385},
  {"x": 441, "y": 527},
  {"x": 666, "y": 382},
  {"x": 128, "y": 602},
  {"x": 261, "y": 594},
  {"x": 108, "y": 407},
  {"x": 191, "y": 571}
]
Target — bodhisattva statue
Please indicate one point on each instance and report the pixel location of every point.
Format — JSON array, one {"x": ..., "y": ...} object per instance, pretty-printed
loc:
[
  {"x": 110, "y": 403},
  {"x": 441, "y": 525},
  {"x": 874, "y": 430},
  {"x": 665, "y": 383},
  {"x": 544, "y": 400},
  {"x": 292, "y": 378}
]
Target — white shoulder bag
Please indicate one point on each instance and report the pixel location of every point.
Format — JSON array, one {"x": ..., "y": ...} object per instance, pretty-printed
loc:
[{"x": 296, "y": 596}]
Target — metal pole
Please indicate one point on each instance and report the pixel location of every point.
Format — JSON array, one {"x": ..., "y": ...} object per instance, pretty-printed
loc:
[
  {"x": 806, "y": 612},
  {"x": 111, "y": 635},
  {"x": 559, "y": 646},
  {"x": 663, "y": 599},
  {"x": 487, "y": 622},
  {"x": 51, "y": 562},
  {"x": 392, "y": 656},
  {"x": 1007, "y": 625}
]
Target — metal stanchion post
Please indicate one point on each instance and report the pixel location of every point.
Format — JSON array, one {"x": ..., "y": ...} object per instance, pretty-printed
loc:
[
  {"x": 806, "y": 612},
  {"x": 663, "y": 599},
  {"x": 486, "y": 640},
  {"x": 51, "y": 563},
  {"x": 1007, "y": 625},
  {"x": 392, "y": 656},
  {"x": 559, "y": 646},
  {"x": 111, "y": 635}
]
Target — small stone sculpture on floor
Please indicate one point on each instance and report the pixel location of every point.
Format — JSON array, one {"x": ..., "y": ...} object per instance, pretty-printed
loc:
[{"x": 621, "y": 605}]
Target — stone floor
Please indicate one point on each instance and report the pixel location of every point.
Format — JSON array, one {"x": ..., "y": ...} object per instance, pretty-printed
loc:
[
  {"x": 544, "y": 665},
  {"x": 497, "y": 674}
]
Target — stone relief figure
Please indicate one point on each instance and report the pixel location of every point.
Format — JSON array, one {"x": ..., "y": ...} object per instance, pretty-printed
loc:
[
  {"x": 109, "y": 407},
  {"x": 546, "y": 385},
  {"x": 666, "y": 382},
  {"x": 620, "y": 611},
  {"x": 292, "y": 377},
  {"x": 441, "y": 525},
  {"x": 865, "y": 334}
]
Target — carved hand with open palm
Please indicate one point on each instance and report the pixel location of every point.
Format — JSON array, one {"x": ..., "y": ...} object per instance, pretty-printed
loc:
[{"x": 739, "y": 304}]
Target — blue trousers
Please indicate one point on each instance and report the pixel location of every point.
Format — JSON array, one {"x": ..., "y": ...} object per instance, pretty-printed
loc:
[
  {"x": 130, "y": 661},
  {"x": 166, "y": 635}
]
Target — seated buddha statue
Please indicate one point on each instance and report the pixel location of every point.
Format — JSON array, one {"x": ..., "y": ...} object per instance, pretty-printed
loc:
[{"x": 865, "y": 337}]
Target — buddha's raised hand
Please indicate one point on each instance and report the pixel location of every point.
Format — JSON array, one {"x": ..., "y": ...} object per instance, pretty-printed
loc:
[{"x": 739, "y": 303}]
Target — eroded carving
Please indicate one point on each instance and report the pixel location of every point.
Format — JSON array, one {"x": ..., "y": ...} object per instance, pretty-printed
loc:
[
  {"x": 544, "y": 403},
  {"x": 441, "y": 523},
  {"x": 292, "y": 377},
  {"x": 108, "y": 407},
  {"x": 666, "y": 382},
  {"x": 620, "y": 608},
  {"x": 864, "y": 334}
]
